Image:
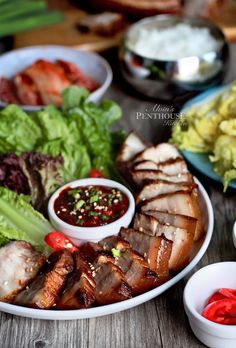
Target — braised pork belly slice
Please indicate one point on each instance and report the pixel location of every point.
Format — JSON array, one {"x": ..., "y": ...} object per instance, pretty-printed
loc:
[
  {"x": 80, "y": 288},
  {"x": 161, "y": 187},
  {"x": 142, "y": 176},
  {"x": 116, "y": 242},
  {"x": 173, "y": 167},
  {"x": 159, "y": 153},
  {"x": 45, "y": 288},
  {"x": 111, "y": 285},
  {"x": 182, "y": 221},
  {"x": 182, "y": 239},
  {"x": 89, "y": 251},
  {"x": 19, "y": 264},
  {"x": 181, "y": 202},
  {"x": 135, "y": 268},
  {"x": 155, "y": 250}
]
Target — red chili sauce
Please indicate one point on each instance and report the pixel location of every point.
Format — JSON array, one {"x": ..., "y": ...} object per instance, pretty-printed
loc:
[{"x": 90, "y": 206}]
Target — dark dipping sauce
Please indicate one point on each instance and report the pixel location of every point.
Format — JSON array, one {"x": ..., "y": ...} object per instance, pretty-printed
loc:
[{"x": 91, "y": 206}]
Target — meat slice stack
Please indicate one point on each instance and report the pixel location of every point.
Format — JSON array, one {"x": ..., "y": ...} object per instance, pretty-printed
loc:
[
  {"x": 46, "y": 287},
  {"x": 137, "y": 272},
  {"x": 167, "y": 198},
  {"x": 80, "y": 288}
]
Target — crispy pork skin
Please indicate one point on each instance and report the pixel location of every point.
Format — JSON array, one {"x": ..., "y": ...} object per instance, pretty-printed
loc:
[
  {"x": 44, "y": 290},
  {"x": 181, "y": 202},
  {"x": 80, "y": 287},
  {"x": 182, "y": 239},
  {"x": 161, "y": 187},
  {"x": 135, "y": 268},
  {"x": 155, "y": 250},
  {"x": 159, "y": 153},
  {"x": 142, "y": 176},
  {"x": 111, "y": 285},
  {"x": 19, "y": 264}
]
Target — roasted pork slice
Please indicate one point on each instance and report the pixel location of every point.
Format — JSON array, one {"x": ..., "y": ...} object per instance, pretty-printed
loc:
[
  {"x": 49, "y": 79},
  {"x": 44, "y": 290},
  {"x": 182, "y": 239},
  {"x": 159, "y": 153},
  {"x": 173, "y": 166},
  {"x": 19, "y": 264},
  {"x": 155, "y": 250},
  {"x": 132, "y": 145},
  {"x": 182, "y": 221},
  {"x": 148, "y": 165},
  {"x": 116, "y": 242},
  {"x": 181, "y": 202},
  {"x": 161, "y": 187},
  {"x": 135, "y": 268},
  {"x": 89, "y": 251},
  {"x": 80, "y": 287},
  {"x": 142, "y": 176},
  {"x": 111, "y": 285}
]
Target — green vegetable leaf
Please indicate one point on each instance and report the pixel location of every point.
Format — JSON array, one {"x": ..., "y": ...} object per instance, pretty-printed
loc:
[
  {"x": 20, "y": 221},
  {"x": 73, "y": 97}
]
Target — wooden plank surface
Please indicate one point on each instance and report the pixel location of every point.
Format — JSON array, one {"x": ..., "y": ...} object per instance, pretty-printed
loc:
[{"x": 160, "y": 323}]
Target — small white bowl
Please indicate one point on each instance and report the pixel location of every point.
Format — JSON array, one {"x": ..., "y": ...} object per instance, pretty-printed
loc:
[
  {"x": 80, "y": 235},
  {"x": 199, "y": 288},
  {"x": 90, "y": 63}
]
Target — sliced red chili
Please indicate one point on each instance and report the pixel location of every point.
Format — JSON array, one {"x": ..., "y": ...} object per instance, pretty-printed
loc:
[
  {"x": 58, "y": 241},
  {"x": 221, "y": 311}
]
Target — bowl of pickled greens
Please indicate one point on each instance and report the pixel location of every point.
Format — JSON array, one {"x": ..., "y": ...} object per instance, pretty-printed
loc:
[{"x": 206, "y": 133}]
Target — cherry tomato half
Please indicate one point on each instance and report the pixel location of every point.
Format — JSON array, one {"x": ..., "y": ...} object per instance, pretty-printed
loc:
[
  {"x": 58, "y": 241},
  {"x": 95, "y": 173},
  {"x": 221, "y": 311}
]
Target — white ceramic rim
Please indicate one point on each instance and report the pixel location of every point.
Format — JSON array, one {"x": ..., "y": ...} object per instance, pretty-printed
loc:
[
  {"x": 94, "y": 232},
  {"x": 190, "y": 310},
  {"x": 234, "y": 234},
  {"x": 127, "y": 304},
  {"x": 94, "y": 95}
]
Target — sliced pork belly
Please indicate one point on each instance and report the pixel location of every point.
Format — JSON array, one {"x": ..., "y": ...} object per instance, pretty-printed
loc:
[
  {"x": 135, "y": 268},
  {"x": 182, "y": 202},
  {"x": 159, "y": 153},
  {"x": 156, "y": 250},
  {"x": 132, "y": 145},
  {"x": 80, "y": 288},
  {"x": 182, "y": 221},
  {"x": 111, "y": 285},
  {"x": 182, "y": 239},
  {"x": 161, "y": 187},
  {"x": 89, "y": 251},
  {"x": 149, "y": 165},
  {"x": 19, "y": 264},
  {"x": 44, "y": 290},
  {"x": 173, "y": 167},
  {"x": 116, "y": 242},
  {"x": 142, "y": 176}
]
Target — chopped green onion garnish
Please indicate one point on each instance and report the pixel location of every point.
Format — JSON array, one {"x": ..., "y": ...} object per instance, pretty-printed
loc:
[
  {"x": 92, "y": 213},
  {"x": 115, "y": 252},
  {"x": 79, "y": 204}
]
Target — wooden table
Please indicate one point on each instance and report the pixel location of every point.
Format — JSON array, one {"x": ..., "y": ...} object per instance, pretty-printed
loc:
[{"x": 157, "y": 323}]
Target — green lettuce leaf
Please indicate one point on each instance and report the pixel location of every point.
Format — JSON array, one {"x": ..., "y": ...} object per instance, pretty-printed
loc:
[{"x": 20, "y": 221}]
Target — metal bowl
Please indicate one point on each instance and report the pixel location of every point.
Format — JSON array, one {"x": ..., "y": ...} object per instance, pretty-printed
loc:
[{"x": 167, "y": 79}]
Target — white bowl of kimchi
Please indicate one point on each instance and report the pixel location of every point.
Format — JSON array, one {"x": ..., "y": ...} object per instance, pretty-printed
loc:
[{"x": 35, "y": 76}]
